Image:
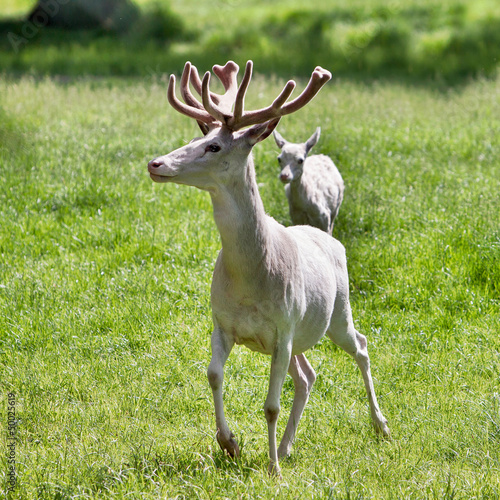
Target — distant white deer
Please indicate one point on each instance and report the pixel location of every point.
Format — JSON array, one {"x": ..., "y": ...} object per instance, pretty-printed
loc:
[
  {"x": 275, "y": 290},
  {"x": 313, "y": 185}
]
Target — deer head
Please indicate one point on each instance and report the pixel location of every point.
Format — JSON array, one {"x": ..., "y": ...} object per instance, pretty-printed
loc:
[
  {"x": 293, "y": 156},
  {"x": 227, "y": 140}
]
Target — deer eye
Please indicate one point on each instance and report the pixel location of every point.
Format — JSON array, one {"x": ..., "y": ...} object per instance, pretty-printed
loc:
[
  {"x": 213, "y": 148},
  {"x": 300, "y": 161}
]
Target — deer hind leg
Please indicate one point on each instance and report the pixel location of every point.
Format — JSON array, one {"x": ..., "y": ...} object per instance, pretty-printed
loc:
[
  {"x": 303, "y": 377},
  {"x": 343, "y": 334},
  {"x": 221, "y": 347}
]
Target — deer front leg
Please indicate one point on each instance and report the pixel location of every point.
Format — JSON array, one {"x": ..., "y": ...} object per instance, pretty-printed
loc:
[
  {"x": 303, "y": 377},
  {"x": 321, "y": 218},
  {"x": 221, "y": 347},
  {"x": 279, "y": 366}
]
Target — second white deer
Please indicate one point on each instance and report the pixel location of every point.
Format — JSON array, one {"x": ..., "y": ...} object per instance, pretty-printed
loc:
[
  {"x": 313, "y": 184},
  {"x": 275, "y": 290}
]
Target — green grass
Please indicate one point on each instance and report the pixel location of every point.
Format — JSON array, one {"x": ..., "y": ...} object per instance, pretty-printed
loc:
[
  {"x": 104, "y": 298},
  {"x": 15, "y": 7}
]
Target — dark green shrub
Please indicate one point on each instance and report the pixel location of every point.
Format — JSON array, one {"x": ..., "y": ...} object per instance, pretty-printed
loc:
[
  {"x": 159, "y": 23},
  {"x": 110, "y": 15}
]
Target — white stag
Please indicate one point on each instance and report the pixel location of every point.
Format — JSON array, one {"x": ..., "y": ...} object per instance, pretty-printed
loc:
[
  {"x": 275, "y": 290},
  {"x": 313, "y": 184}
]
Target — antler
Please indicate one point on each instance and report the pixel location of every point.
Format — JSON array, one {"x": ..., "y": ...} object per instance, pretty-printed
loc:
[
  {"x": 220, "y": 110},
  {"x": 216, "y": 109}
]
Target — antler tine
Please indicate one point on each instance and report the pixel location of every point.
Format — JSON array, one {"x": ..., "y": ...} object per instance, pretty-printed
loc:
[
  {"x": 213, "y": 109},
  {"x": 318, "y": 78},
  {"x": 285, "y": 94},
  {"x": 264, "y": 114},
  {"x": 195, "y": 79},
  {"x": 227, "y": 75},
  {"x": 188, "y": 97},
  {"x": 197, "y": 84},
  {"x": 193, "y": 112},
  {"x": 278, "y": 108},
  {"x": 239, "y": 103}
]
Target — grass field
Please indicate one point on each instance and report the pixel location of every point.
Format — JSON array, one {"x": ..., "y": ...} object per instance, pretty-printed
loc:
[
  {"x": 104, "y": 276},
  {"x": 104, "y": 298}
]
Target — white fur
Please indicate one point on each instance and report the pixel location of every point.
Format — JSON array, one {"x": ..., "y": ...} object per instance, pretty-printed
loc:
[
  {"x": 313, "y": 184},
  {"x": 275, "y": 290}
]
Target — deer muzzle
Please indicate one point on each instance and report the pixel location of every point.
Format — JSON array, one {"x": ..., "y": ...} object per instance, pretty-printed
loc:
[{"x": 159, "y": 171}]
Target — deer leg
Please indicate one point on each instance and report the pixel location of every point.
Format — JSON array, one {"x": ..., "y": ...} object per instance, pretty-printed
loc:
[
  {"x": 279, "y": 366},
  {"x": 363, "y": 361},
  {"x": 221, "y": 347},
  {"x": 303, "y": 377},
  {"x": 325, "y": 221},
  {"x": 343, "y": 333}
]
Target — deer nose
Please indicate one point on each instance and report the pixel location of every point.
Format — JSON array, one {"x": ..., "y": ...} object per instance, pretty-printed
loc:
[
  {"x": 284, "y": 177},
  {"x": 155, "y": 163}
]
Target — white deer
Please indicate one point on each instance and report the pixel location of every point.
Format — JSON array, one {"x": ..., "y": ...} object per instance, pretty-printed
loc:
[
  {"x": 313, "y": 184},
  {"x": 275, "y": 290}
]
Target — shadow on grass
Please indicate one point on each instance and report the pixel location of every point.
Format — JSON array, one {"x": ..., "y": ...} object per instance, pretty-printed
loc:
[{"x": 190, "y": 464}]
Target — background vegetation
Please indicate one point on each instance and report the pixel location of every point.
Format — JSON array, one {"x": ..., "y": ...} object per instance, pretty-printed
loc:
[
  {"x": 104, "y": 276},
  {"x": 449, "y": 39}
]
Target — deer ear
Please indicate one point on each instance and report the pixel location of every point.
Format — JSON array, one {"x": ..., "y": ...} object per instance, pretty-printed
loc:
[
  {"x": 313, "y": 139},
  {"x": 279, "y": 139},
  {"x": 259, "y": 132}
]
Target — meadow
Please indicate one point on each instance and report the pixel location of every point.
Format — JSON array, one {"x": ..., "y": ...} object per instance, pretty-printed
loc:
[{"x": 104, "y": 295}]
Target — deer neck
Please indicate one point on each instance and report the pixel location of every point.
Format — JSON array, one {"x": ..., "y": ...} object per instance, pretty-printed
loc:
[
  {"x": 242, "y": 223},
  {"x": 296, "y": 184}
]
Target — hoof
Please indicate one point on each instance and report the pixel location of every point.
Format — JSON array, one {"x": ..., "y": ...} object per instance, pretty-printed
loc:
[
  {"x": 274, "y": 470},
  {"x": 228, "y": 445},
  {"x": 383, "y": 430}
]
